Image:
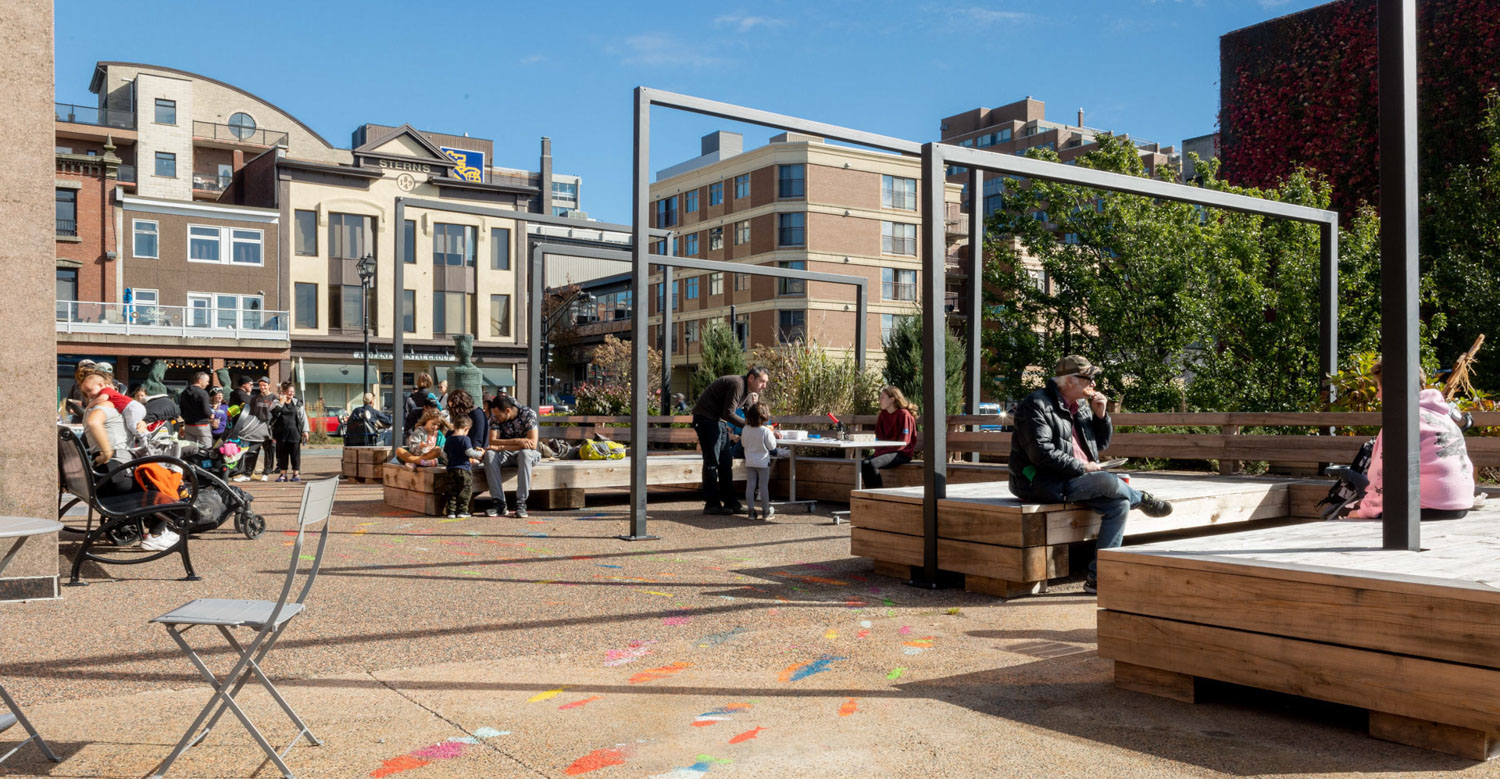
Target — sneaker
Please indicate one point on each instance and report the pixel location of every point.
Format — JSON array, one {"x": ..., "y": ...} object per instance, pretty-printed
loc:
[
  {"x": 240, "y": 478},
  {"x": 1153, "y": 506},
  {"x": 280, "y": 477},
  {"x": 295, "y": 477},
  {"x": 1091, "y": 586},
  {"x": 752, "y": 515},
  {"x": 452, "y": 515},
  {"x": 428, "y": 463},
  {"x": 494, "y": 511},
  {"x": 158, "y": 543},
  {"x": 264, "y": 477},
  {"x": 520, "y": 511},
  {"x": 464, "y": 515},
  {"x": 409, "y": 466},
  {"x": 770, "y": 511},
  {"x": 738, "y": 509}
]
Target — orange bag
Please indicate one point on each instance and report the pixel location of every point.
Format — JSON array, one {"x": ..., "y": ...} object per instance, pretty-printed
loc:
[{"x": 158, "y": 477}]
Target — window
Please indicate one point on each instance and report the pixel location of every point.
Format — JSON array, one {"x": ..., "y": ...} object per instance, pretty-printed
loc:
[
  {"x": 230, "y": 245},
  {"x": 898, "y": 284},
  {"x": 791, "y": 180},
  {"x": 954, "y": 170},
  {"x": 409, "y": 241},
  {"x": 692, "y": 288},
  {"x": 500, "y": 316},
  {"x": 166, "y": 164},
  {"x": 499, "y": 248},
  {"x": 450, "y": 313},
  {"x": 242, "y": 125},
  {"x": 453, "y": 246},
  {"x": 144, "y": 245},
  {"x": 791, "y": 326},
  {"x": 1070, "y": 239},
  {"x": 715, "y": 283},
  {"x": 898, "y": 238},
  {"x": 226, "y": 310},
  {"x": 350, "y": 236},
  {"x": 716, "y": 193},
  {"x": 887, "y": 324},
  {"x": 1040, "y": 216},
  {"x": 306, "y": 229},
  {"x": 408, "y": 311},
  {"x": 305, "y": 303},
  {"x": 666, "y": 212},
  {"x": 967, "y": 142},
  {"x": 1002, "y": 136},
  {"x": 741, "y": 281},
  {"x": 742, "y": 186},
  {"x": 742, "y": 329},
  {"x": 791, "y": 286},
  {"x": 67, "y": 212},
  {"x": 690, "y": 331},
  {"x": 166, "y": 111},
  {"x": 690, "y": 201},
  {"x": 994, "y": 191},
  {"x": 742, "y": 233},
  {"x": 716, "y": 239},
  {"x": 791, "y": 229},
  {"x": 898, "y": 192},
  {"x": 690, "y": 245},
  {"x": 67, "y": 293},
  {"x": 676, "y": 296},
  {"x": 1038, "y": 279}
]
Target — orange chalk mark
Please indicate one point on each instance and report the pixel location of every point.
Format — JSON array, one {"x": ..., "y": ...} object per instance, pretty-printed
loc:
[
  {"x": 746, "y": 736},
  {"x": 396, "y": 765},
  {"x": 849, "y": 707},
  {"x": 659, "y": 673},
  {"x": 595, "y": 760},
  {"x": 580, "y": 703}
]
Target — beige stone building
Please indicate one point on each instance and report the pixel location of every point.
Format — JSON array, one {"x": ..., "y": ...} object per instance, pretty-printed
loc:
[{"x": 796, "y": 202}]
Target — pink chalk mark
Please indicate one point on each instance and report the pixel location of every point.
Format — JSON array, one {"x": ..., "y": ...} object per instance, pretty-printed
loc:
[
  {"x": 447, "y": 750},
  {"x": 904, "y": 630}
]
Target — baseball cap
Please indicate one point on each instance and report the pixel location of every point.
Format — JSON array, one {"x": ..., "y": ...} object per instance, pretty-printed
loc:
[
  {"x": 431, "y": 398},
  {"x": 104, "y": 366},
  {"x": 266, "y": 379},
  {"x": 216, "y": 390},
  {"x": 1075, "y": 364}
]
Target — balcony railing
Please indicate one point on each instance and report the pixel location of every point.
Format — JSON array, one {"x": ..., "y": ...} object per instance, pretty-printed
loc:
[
  {"x": 127, "y": 173},
  {"x": 67, "y": 226},
  {"x": 210, "y": 182},
  {"x": 250, "y": 136},
  {"x": 75, "y": 316},
  {"x": 99, "y": 117}
]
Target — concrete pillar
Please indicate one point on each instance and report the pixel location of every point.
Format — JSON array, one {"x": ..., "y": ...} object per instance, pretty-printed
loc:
[{"x": 28, "y": 454}]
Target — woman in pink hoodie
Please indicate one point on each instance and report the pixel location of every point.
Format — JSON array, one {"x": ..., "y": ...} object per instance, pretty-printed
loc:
[{"x": 1447, "y": 479}]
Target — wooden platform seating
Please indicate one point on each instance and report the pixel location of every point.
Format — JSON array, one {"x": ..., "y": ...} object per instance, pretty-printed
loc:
[
  {"x": 364, "y": 463},
  {"x": 1007, "y": 548},
  {"x": 1321, "y": 611},
  {"x": 557, "y": 484}
]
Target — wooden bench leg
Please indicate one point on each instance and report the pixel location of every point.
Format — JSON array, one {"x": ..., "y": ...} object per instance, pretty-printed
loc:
[
  {"x": 1437, "y": 736},
  {"x": 560, "y": 499},
  {"x": 999, "y": 588},
  {"x": 1154, "y": 681}
]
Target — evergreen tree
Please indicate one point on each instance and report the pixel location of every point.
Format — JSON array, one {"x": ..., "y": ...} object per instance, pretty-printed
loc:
[
  {"x": 721, "y": 353},
  {"x": 903, "y": 361}
]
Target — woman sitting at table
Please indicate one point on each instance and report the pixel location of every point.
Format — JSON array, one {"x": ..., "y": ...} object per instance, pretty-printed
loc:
[
  {"x": 1447, "y": 475},
  {"x": 896, "y": 422}
]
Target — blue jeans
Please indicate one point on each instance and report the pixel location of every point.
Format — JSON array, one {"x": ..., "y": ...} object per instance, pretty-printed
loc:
[{"x": 1101, "y": 491}]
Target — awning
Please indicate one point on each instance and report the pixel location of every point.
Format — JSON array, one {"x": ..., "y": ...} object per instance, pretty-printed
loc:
[
  {"x": 339, "y": 373},
  {"x": 493, "y": 377}
]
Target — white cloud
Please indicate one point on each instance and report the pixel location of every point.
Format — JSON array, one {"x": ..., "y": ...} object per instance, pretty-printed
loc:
[
  {"x": 745, "y": 23},
  {"x": 660, "y": 50},
  {"x": 981, "y": 15},
  {"x": 533, "y": 59}
]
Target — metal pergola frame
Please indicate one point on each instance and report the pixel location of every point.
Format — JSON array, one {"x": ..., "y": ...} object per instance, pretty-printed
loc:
[
  {"x": 1397, "y": 44},
  {"x": 639, "y": 400}
]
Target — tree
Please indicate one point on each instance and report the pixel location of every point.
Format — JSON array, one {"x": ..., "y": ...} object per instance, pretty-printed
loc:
[
  {"x": 1184, "y": 307},
  {"x": 721, "y": 353},
  {"x": 610, "y": 393},
  {"x": 903, "y": 361}
]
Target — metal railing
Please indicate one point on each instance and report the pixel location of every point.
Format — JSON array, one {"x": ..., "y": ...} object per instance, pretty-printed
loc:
[
  {"x": 67, "y": 226},
  {"x": 75, "y": 316},
  {"x": 127, "y": 173},
  {"x": 253, "y": 136},
  {"x": 99, "y": 117},
  {"x": 211, "y": 182},
  {"x": 892, "y": 290}
]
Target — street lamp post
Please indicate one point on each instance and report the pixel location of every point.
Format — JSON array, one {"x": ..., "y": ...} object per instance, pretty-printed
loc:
[{"x": 366, "y": 268}]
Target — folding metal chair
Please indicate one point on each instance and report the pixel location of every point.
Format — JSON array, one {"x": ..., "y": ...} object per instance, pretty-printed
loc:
[
  {"x": 268, "y": 619},
  {"x": 15, "y": 715}
]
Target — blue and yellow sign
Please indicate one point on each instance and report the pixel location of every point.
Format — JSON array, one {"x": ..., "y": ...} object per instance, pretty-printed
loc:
[{"x": 470, "y": 164}]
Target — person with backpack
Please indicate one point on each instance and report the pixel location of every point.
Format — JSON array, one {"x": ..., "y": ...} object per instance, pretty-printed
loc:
[
  {"x": 363, "y": 426},
  {"x": 289, "y": 428}
]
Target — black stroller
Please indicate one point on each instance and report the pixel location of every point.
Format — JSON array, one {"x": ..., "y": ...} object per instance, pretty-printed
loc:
[{"x": 218, "y": 500}]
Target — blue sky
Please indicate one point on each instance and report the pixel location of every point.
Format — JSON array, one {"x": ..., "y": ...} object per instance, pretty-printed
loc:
[{"x": 514, "y": 72}]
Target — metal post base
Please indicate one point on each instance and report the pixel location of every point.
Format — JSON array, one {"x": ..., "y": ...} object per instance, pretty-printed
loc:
[
  {"x": 946, "y": 580},
  {"x": 639, "y": 538}
]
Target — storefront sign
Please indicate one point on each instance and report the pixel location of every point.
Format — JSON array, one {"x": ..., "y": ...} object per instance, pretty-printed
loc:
[
  {"x": 419, "y": 167},
  {"x": 423, "y": 356},
  {"x": 470, "y": 163}
]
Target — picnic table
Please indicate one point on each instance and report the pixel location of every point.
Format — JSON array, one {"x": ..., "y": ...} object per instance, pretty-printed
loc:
[{"x": 852, "y": 448}]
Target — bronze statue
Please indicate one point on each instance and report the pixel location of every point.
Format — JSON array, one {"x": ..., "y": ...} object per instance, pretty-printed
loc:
[
  {"x": 466, "y": 376},
  {"x": 155, "y": 383},
  {"x": 224, "y": 383}
]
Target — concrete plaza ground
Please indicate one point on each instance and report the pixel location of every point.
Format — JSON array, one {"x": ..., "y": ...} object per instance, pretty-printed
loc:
[{"x": 546, "y": 647}]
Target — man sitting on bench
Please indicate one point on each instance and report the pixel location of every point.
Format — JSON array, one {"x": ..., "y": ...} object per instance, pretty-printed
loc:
[{"x": 1054, "y": 455}]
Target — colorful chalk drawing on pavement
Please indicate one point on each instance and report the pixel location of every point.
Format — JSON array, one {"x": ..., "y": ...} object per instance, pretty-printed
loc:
[
  {"x": 850, "y": 706},
  {"x": 595, "y": 760},
  {"x": 660, "y": 673},
  {"x": 443, "y": 750},
  {"x": 747, "y": 735},
  {"x": 715, "y": 639},
  {"x": 546, "y": 696},
  {"x": 578, "y": 704},
  {"x": 721, "y": 714},
  {"x": 698, "y": 768},
  {"x": 800, "y": 671},
  {"x": 634, "y": 651}
]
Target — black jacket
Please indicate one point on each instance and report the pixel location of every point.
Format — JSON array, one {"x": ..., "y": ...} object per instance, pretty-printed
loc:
[
  {"x": 1041, "y": 447},
  {"x": 197, "y": 407},
  {"x": 363, "y": 425}
]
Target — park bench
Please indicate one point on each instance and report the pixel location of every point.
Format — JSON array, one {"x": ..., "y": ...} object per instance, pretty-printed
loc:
[
  {"x": 555, "y": 484},
  {"x": 1006, "y": 548},
  {"x": 363, "y": 464}
]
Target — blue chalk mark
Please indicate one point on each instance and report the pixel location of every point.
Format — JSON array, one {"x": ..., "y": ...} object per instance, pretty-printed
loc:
[
  {"x": 490, "y": 732},
  {"x": 815, "y": 667},
  {"x": 602, "y": 565}
]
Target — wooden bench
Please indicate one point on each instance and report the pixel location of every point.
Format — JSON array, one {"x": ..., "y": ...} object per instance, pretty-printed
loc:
[
  {"x": 363, "y": 463},
  {"x": 555, "y": 484},
  {"x": 1006, "y": 548},
  {"x": 832, "y": 478}
]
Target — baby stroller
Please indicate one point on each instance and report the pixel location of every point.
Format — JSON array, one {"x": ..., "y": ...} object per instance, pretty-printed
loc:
[{"x": 218, "y": 500}]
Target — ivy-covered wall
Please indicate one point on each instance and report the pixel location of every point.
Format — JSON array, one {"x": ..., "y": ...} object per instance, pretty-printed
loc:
[{"x": 1302, "y": 90}]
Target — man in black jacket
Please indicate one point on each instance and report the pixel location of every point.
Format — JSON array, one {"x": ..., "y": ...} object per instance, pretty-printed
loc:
[
  {"x": 1054, "y": 454},
  {"x": 198, "y": 412},
  {"x": 718, "y": 407}
]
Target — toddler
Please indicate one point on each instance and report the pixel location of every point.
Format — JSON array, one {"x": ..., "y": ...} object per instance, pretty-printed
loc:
[
  {"x": 461, "y": 455},
  {"x": 759, "y": 441}
]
